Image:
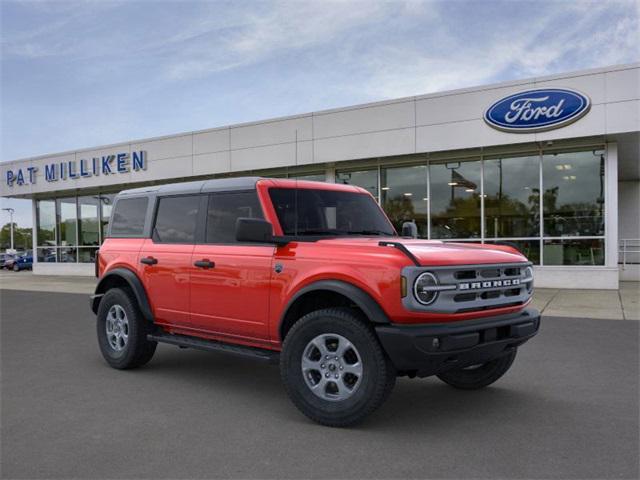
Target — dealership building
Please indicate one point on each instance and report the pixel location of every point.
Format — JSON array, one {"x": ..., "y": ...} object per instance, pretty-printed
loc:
[{"x": 550, "y": 165}]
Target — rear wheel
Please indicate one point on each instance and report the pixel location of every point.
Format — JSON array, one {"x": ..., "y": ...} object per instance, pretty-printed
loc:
[
  {"x": 479, "y": 376},
  {"x": 122, "y": 331},
  {"x": 16, "y": 268},
  {"x": 334, "y": 369}
]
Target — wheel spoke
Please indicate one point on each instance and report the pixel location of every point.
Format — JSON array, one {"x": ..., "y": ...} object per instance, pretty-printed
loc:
[
  {"x": 343, "y": 347},
  {"x": 320, "y": 386},
  {"x": 308, "y": 364},
  {"x": 321, "y": 345},
  {"x": 354, "y": 369}
]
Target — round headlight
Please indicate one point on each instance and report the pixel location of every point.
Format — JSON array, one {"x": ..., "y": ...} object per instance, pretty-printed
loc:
[
  {"x": 529, "y": 275},
  {"x": 424, "y": 290}
]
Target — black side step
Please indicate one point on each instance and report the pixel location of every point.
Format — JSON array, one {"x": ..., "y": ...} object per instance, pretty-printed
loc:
[{"x": 260, "y": 354}]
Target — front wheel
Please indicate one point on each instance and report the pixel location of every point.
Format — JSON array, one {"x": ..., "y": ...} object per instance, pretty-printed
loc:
[
  {"x": 334, "y": 369},
  {"x": 479, "y": 376},
  {"x": 16, "y": 268}
]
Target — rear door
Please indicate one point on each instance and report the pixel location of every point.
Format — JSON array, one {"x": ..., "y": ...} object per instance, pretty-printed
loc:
[
  {"x": 230, "y": 281},
  {"x": 165, "y": 258}
]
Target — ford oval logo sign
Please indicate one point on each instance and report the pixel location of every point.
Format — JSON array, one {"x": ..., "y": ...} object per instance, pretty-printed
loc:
[{"x": 537, "y": 110}]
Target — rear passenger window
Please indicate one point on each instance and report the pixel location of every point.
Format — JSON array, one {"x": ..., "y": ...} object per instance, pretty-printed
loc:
[
  {"x": 128, "y": 217},
  {"x": 176, "y": 219},
  {"x": 224, "y": 209}
]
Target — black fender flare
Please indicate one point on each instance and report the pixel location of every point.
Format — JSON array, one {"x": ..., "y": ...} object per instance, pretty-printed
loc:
[
  {"x": 132, "y": 281},
  {"x": 359, "y": 297}
]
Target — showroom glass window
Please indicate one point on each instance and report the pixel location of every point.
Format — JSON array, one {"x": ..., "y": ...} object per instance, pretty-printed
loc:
[
  {"x": 88, "y": 227},
  {"x": 455, "y": 199},
  {"x": 404, "y": 197},
  {"x": 46, "y": 230},
  {"x": 313, "y": 177},
  {"x": 67, "y": 229},
  {"x": 106, "y": 204},
  {"x": 367, "y": 179},
  {"x": 573, "y": 207},
  {"x": 512, "y": 197},
  {"x": 573, "y": 197}
]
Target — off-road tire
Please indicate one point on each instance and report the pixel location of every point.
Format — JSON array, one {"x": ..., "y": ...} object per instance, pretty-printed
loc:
[
  {"x": 480, "y": 377},
  {"x": 378, "y": 376},
  {"x": 138, "y": 350}
]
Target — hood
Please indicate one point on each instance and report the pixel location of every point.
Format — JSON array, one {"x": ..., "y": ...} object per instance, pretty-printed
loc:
[{"x": 435, "y": 252}]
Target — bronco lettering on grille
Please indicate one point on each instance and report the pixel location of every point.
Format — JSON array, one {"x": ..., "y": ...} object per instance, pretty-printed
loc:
[{"x": 488, "y": 284}]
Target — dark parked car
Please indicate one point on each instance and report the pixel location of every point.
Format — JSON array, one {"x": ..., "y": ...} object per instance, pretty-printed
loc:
[
  {"x": 6, "y": 260},
  {"x": 23, "y": 262}
]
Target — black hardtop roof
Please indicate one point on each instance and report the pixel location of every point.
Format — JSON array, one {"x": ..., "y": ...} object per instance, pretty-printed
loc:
[{"x": 201, "y": 186}]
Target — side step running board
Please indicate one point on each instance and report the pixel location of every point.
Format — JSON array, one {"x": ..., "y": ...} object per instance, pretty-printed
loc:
[{"x": 260, "y": 354}]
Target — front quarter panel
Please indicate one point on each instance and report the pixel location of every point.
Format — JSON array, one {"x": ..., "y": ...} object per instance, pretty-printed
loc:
[{"x": 302, "y": 264}]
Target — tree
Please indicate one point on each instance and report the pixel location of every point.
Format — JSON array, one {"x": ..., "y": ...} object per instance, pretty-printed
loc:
[{"x": 22, "y": 237}]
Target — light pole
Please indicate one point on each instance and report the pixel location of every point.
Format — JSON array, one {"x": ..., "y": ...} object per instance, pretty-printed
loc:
[{"x": 11, "y": 212}]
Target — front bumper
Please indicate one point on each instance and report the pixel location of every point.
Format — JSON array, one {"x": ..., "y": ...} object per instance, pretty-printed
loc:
[{"x": 426, "y": 350}]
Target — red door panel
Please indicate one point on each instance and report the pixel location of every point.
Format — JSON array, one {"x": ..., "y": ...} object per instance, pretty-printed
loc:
[
  {"x": 167, "y": 281},
  {"x": 232, "y": 298}
]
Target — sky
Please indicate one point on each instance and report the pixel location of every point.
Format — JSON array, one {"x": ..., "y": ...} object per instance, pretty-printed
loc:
[{"x": 86, "y": 73}]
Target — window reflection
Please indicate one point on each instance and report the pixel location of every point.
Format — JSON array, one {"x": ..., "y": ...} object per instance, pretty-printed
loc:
[
  {"x": 367, "y": 179},
  {"x": 46, "y": 222},
  {"x": 512, "y": 197},
  {"x": 573, "y": 198},
  {"x": 574, "y": 252},
  {"x": 529, "y": 248},
  {"x": 455, "y": 200},
  {"x": 88, "y": 221},
  {"x": 405, "y": 199},
  {"x": 67, "y": 220},
  {"x": 107, "y": 206}
]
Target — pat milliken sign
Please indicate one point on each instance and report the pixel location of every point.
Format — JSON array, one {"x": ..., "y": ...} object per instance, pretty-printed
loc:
[
  {"x": 117, "y": 163},
  {"x": 537, "y": 110}
]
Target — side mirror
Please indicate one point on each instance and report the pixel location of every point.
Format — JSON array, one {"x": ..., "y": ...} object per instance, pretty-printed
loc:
[
  {"x": 254, "y": 230},
  {"x": 410, "y": 229}
]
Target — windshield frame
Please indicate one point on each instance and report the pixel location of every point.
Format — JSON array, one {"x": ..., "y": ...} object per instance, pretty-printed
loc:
[{"x": 323, "y": 234}]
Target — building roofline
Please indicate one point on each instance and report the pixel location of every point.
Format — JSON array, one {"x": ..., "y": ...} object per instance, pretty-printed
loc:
[{"x": 445, "y": 93}]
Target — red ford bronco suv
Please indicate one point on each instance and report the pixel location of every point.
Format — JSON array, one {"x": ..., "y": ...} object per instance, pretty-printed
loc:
[{"x": 313, "y": 276}]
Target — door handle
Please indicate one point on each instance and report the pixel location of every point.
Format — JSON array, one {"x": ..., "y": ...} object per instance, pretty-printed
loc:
[
  {"x": 204, "y": 264},
  {"x": 149, "y": 260}
]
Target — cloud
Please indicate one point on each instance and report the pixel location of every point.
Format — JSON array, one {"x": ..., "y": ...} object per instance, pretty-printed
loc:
[
  {"x": 556, "y": 40},
  {"x": 286, "y": 27},
  {"x": 101, "y": 72}
]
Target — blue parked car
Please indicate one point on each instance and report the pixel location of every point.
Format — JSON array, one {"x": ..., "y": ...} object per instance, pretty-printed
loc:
[{"x": 23, "y": 262}]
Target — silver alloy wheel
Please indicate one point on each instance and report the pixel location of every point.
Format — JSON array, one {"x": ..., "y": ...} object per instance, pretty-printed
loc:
[
  {"x": 117, "y": 327},
  {"x": 332, "y": 367}
]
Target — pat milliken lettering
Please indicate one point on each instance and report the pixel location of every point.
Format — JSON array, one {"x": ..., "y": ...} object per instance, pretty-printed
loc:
[{"x": 104, "y": 165}]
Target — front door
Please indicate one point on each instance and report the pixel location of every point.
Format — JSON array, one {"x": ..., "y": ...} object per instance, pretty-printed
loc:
[
  {"x": 230, "y": 281},
  {"x": 165, "y": 259}
]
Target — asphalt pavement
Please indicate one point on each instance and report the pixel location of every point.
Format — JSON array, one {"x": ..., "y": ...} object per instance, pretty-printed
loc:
[{"x": 568, "y": 408}]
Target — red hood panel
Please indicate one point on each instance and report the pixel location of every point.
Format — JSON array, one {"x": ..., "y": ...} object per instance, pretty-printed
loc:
[
  {"x": 433, "y": 252},
  {"x": 463, "y": 253}
]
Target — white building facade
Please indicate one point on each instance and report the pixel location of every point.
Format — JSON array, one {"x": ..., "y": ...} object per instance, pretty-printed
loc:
[{"x": 550, "y": 165}]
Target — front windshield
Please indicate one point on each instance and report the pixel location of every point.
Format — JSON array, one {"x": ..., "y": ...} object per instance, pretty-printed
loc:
[{"x": 328, "y": 212}]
